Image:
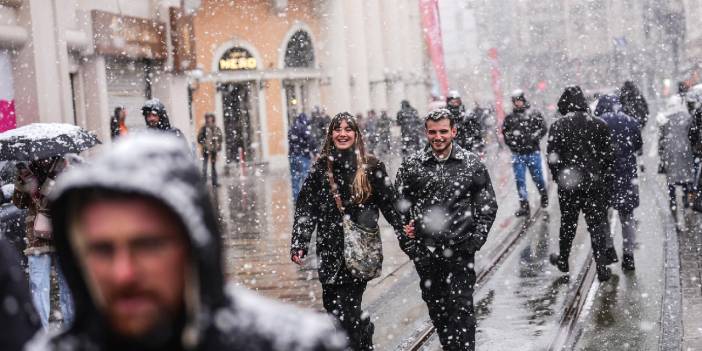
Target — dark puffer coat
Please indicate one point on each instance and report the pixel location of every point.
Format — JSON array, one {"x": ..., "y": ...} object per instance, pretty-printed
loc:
[
  {"x": 470, "y": 132},
  {"x": 626, "y": 141},
  {"x": 523, "y": 130},
  {"x": 580, "y": 152},
  {"x": 225, "y": 317},
  {"x": 452, "y": 202},
  {"x": 316, "y": 209}
]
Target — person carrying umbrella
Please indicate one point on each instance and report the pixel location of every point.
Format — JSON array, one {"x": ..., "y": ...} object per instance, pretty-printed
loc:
[{"x": 43, "y": 151}]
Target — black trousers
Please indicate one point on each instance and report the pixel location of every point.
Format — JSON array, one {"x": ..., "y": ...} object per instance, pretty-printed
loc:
[
  {"x": 446, "y": 278},
  {"x": 594, "y": 205},
  {"x": 344, "y": 302},
  {"x": 212, "y": 156}
]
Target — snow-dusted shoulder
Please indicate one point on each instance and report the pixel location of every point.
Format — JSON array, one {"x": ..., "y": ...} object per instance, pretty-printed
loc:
[{"x": 276, "y": 326}]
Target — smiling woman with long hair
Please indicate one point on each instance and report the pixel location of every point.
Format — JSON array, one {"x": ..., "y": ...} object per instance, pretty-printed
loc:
[{"x": 365, "y": 190}]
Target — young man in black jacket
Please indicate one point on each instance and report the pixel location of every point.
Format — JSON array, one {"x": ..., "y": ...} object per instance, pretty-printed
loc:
[
  {"x": 523, "y": 130},
  {"x": 447, "y": 199},
  {"x": 581, "y": 159}
]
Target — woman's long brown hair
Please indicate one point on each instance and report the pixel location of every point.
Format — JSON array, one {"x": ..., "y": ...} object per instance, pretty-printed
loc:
[{"x": 361, "y": 188}]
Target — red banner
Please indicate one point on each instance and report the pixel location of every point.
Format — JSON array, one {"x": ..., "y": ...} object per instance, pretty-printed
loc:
[
  {"x": 497, "y": 89},
  {"x": 432, "y": 34},
  {"x": 7, "y": 115}
]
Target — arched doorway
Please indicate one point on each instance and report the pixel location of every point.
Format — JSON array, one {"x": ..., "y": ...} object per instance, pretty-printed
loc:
[
  {"x": 299, "y": 55},
  {"x": 238, "y": 106}
]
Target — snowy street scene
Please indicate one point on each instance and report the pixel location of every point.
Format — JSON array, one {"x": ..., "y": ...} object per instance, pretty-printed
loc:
[{"x": 359, "y": 175}]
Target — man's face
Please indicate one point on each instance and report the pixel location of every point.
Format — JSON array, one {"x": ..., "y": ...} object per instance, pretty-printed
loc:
[
  {"x": 455, "y": 103},
  {"x": 152, "y": 119},
  {"x": 134, "y": 256},
  {"x": 518, "y": 103},
  {"x": 440, "y": 134}
]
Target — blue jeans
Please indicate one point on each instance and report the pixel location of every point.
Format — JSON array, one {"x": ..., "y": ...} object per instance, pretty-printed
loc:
[
  {"x": 520, "y": 163},
  {"x": 40, "y": 286},
  {"x": 299, "y": 166}
]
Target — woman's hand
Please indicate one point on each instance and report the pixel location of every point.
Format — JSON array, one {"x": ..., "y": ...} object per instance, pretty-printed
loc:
[
  {"x": 409, "y": 229},
  {"x": 297, "y": 257}
]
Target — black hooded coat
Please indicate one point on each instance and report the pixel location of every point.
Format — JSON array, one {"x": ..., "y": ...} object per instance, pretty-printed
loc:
[
  {"x": 222, "y": 317},
  {"x": 18, "y": 319},
  {"x": 164, "y": 124},
  {"x": 580, "y": 152},
  {"x": 634, "y": 103}
]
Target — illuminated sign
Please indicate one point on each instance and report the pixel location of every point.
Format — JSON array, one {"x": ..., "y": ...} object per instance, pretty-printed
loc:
[{"x": 236, "y": 59}]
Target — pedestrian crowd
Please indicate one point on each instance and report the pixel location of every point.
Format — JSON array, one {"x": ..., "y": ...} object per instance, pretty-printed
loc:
[{"x": 124, "y": 252}]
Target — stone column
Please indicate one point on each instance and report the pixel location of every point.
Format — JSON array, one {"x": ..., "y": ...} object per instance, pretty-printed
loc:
[
  {"x": 38, "y": 95},
  {"x": 357, "y": 51},
  {"x": 392, "y": 13},
  {"x": 334, "y": 58},
  {"x": 94, "y": 84},
  {"x": 375, "y": 55}
]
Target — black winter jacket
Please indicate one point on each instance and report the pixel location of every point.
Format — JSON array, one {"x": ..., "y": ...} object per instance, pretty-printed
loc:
[
  {"x": 523, "y": 130},
  {"x": 452, "y": 202},
  {"x": 580, "y": 152},
  {"x": 470, "y": 132},
  {"x": 18, "y": 319},
  {"x": 316, "y": 209},
  {"x": 221, "y": 317}
]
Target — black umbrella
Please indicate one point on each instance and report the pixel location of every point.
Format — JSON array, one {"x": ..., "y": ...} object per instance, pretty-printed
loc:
[{"x": 43, "y": 140}]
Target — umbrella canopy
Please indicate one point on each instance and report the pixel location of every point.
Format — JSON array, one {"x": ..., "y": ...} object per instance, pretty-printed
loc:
[{"x": 43, "y": 140}]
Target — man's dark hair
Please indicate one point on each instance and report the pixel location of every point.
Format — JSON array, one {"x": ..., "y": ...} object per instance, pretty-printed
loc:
[{"x": 439, "y": 114}]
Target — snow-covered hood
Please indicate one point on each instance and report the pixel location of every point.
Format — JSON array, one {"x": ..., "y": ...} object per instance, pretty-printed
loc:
[{"x": 158, "y": 166}]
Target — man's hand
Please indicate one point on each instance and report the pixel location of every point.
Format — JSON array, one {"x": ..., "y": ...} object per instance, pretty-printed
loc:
[
  {"x": 297, "y": 258},
  {"x": 409, "y": 229}
]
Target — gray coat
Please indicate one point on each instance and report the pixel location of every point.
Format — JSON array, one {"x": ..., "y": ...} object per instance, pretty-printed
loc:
[{"x": 674, "y": 147}]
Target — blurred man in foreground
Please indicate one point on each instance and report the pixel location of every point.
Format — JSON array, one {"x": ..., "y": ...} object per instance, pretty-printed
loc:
[{"x": 139, "y": 243}]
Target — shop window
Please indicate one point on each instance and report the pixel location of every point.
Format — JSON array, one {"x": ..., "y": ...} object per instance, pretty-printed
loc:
[{"x": 299, "y": 51}]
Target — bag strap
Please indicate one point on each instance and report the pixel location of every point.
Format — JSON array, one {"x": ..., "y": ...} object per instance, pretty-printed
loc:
[{"x": 334, "y": 187}]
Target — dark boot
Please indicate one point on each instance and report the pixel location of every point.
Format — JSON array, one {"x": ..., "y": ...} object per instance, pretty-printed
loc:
[
  {"x": 610, "y": 256},
  {"x": 603, "y": 273},
  {"x": 628, "y": 262},
  {"x": 544, "y": 199},
  {"x": 560, "y": 262},
  {"x": 523, "y": 209}
]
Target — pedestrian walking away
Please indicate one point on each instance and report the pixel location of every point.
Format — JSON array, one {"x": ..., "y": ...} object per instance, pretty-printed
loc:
[
  {"x": 383, "y": 135},
  {"x": 364, "y": 190},
  {"x": 523, "y": 130},
  {"x": 448, "y": 205},
  {"x": 634, "y": 103},
  {"x": 118, "y": 123},
  {"x": 410, "y": 129},
  {"x": 627, "y": 142},
  {"x": 210, "y": 139},
  {"x": 300, "y": 149},
  {"x": 677, "y": 160},
  {"x": 139, "y": 242},
  {"x": 581, "y": 160},
  {"x": 470, "y": 133}
]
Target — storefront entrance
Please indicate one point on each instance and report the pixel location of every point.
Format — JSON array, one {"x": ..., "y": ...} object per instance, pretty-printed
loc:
[{"x": 240, "y": 122}]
